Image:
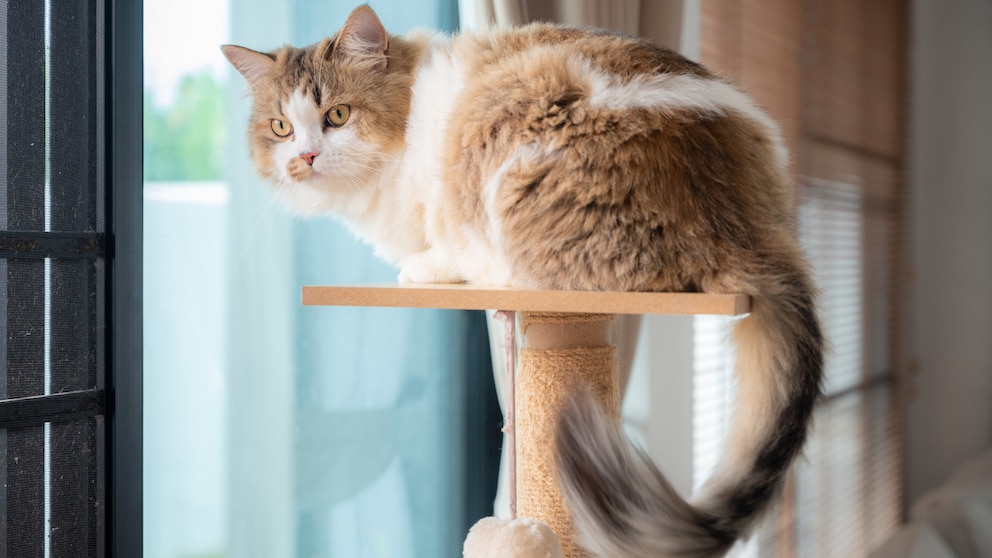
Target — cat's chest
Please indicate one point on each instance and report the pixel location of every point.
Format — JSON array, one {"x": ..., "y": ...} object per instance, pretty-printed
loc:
[{"x": 436, "y": 87}]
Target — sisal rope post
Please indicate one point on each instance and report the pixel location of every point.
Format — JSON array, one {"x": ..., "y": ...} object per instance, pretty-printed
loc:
[{"x": 560, "y": 353}]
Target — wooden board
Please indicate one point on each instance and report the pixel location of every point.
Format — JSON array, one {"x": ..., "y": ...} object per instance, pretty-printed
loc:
[{"x": 474, "y": 297}]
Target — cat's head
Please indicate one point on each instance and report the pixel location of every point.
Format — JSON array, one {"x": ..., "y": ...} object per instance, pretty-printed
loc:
[{"x": 325, "y": 118}]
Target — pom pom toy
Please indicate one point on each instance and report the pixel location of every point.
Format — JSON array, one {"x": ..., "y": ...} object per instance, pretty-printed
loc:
[{"x": 517, "y": 538}]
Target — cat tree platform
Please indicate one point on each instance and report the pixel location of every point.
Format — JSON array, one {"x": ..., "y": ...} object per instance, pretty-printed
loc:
[
  {"x": 566, "y": 344},
  {"x": 472, "y": 297}
]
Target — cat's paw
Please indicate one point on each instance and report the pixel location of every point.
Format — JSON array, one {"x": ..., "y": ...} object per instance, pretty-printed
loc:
[{"x": 427, "y": 267}]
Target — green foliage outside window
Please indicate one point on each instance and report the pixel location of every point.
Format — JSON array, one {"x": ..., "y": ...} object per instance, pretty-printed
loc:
[{"x": 184, "y": 141}]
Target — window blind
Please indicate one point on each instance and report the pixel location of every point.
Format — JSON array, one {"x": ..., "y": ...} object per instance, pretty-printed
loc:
[
  {"x": 831, "y": 73},
  {"x": 713, "y": 393}
]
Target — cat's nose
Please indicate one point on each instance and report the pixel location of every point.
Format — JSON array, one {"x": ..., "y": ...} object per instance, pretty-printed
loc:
[{"x": 309, "y": 157}]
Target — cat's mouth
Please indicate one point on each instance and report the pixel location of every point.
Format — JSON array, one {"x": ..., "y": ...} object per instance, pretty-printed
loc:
[{"x": 299, "y": 170}]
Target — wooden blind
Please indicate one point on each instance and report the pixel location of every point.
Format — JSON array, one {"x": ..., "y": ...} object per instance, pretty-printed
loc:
[{"x": 832, "y": 74}]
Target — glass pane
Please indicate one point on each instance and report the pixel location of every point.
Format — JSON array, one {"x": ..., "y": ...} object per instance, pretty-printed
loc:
[{"x": 273, "y": 429}]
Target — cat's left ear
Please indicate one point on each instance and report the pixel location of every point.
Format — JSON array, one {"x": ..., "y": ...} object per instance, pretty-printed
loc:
[{"x": 363, "y": 35}]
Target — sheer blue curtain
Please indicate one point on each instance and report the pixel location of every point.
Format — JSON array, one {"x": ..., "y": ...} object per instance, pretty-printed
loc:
[
  {"x": 274, "y": 429},
  {"x": 363, "y": 431}
]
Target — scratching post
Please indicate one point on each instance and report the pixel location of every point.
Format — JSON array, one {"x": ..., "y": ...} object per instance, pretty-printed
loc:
[
  {"x": 560, "y": 353},
  {"x": 564, "y": 348}
]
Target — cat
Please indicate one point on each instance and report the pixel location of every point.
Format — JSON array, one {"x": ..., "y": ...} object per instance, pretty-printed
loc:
[{"x": 553, "y": 157}]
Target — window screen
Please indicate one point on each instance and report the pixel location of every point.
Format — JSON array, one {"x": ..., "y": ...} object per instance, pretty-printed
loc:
[{"x": 52, "y": 436}]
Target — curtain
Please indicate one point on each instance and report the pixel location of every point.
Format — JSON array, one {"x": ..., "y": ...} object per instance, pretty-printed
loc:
[
  {"x": 660, "y": 20},
  {"x": 366, "y": 400},
  {"x": 272, "y": 429}
]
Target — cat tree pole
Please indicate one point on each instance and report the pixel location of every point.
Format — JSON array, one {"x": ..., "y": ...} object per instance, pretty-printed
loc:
[
  {"x": 566, "y": 344},
  {"x": 561, "y": 352}
]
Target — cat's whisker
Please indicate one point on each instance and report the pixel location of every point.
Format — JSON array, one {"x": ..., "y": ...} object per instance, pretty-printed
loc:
[
  {"x": 372, "y": 159},
  {"x": 354, "y": 185},
  {"x": 250, "y": 236}
]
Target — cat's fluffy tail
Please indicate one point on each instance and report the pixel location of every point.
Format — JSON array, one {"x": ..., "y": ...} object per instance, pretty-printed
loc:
[{"x": 624, "y": 507}]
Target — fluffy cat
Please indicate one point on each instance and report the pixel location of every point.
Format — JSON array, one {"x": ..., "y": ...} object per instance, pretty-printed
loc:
[{"x": 565, "y": 158}]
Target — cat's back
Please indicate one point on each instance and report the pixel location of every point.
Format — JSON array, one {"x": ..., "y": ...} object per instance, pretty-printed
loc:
[
  {"x": 606, "y": 142},
  {"x": 483, "y": 51}
]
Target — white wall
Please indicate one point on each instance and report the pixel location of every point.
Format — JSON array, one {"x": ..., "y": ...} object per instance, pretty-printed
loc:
[{"x": 950, "y": 176}]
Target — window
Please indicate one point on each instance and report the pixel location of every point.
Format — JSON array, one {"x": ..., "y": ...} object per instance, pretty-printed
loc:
[
  {"x": 831, "y": 73},
  {"x": 272, "y": 429},
  {"x": 67, "y": 280}
]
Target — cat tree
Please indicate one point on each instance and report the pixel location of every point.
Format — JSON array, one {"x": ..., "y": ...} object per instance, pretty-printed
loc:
[{"x": 566, "y": 343}]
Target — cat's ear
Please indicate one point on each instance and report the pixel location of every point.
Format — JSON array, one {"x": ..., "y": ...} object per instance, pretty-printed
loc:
[
  {"x": 253, "y": 65},
  {"x": 364, "y": 36}
]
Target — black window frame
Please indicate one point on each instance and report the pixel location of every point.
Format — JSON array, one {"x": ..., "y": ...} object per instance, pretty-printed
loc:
[{"x": 124, "y": 289}]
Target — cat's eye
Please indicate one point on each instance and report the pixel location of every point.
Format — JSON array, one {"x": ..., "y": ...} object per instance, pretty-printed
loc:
[
  {"x": 338, "y": 115},
  {"x": 281, "y": 128}
]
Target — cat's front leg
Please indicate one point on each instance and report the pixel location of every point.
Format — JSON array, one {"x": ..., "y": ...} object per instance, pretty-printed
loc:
[{"x": 430, "y": 266}]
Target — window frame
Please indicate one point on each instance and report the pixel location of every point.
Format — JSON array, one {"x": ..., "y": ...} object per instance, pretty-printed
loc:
[{"x": 124, "y": 200}]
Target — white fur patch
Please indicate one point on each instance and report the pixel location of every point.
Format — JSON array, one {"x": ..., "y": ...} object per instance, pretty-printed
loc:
[
  {"x": 307, "y": 121},
  {"x": 497, "y": 271},
  {"x": 491, "y": 190},
  {"x": 345, "y": 167},
  {"x": 678, "y": 92},
  {"x": 437, "y": 84}
]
